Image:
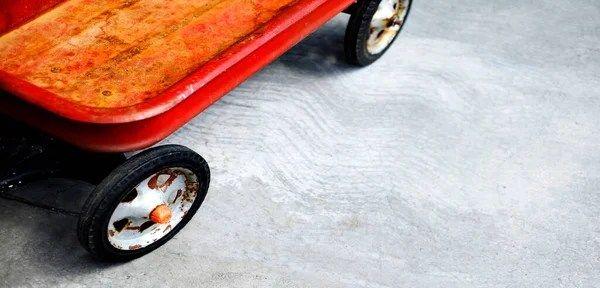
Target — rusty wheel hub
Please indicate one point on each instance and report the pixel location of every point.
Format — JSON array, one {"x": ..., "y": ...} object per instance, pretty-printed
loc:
[
  {"x": 386, "y": 24},
  {"x": 152, "y": 209}
]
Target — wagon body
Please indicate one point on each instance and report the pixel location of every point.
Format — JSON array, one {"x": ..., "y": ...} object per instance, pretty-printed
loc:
[{"x": 117, "y": 76}]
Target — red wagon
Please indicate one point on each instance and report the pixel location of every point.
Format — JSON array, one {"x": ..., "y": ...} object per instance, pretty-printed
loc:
[{"x": 114, "y": 76}]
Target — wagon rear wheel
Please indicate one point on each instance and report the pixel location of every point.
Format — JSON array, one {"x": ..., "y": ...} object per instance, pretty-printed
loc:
[
  {"x": 373, "y": 27},
  {"x": 143, "y": 203}
]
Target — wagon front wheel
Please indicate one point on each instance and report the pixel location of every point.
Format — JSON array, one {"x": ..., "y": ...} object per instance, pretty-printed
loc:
[
  {"x": 143, "y": 203},
  {"x": 373, "y": 27}
]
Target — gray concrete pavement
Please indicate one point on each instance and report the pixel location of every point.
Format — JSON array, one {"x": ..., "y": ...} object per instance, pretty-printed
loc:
[{"x": 468, "y": 156}]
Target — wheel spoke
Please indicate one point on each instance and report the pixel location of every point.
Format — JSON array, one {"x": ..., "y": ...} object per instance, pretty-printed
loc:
[
  {"x": 123, "y": 211},
  {"x": 375, "y": 32},
  {"x": 177, "y": 187},
  {"x": 379, "y": 24},
  {"x": 384, "y": 14}
]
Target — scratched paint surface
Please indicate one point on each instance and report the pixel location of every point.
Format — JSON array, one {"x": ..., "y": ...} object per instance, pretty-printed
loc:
[{"x": 111, "y": 53}]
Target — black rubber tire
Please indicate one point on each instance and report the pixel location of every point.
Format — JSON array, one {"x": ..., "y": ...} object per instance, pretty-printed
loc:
[
  {"x": 357, "y": 33},
  {"x": 92, "y": 227}
]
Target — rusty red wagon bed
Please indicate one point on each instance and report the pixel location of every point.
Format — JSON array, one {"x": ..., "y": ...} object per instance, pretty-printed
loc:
[{"x": 117, "y": 76}]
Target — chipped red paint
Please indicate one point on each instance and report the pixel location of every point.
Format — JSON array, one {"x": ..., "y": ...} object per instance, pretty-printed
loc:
[
  {"x": 208, "y": 83},
  {"x": 14, "y": 13}
]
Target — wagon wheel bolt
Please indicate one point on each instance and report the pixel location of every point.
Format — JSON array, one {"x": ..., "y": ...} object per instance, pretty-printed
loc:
[{"x": 161, "y": 214}]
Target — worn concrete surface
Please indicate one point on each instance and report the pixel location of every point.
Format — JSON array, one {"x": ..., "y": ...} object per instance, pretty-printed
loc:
[{"x": 468, "y": 157}]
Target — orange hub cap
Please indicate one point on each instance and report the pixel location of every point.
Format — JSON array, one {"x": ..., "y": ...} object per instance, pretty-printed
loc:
[{"x": 161, "y": 214}]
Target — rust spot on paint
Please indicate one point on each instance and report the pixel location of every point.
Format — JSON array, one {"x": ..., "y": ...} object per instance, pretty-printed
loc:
[
  {"x": 106, "y": 93},
  {"x": 188, "y": 197},
  {"x": 111, "y": 233},
  {"x": 153, "y": 182},
  {"x": 191, "y": 191},
  {"x": 112, "y": 40},
  {"x": 179, "y": 192},
  {"x": 55, "y": 70},
  {"x": 134, "y": 247},
  {"x": 167, "y": 228},
  {"x": 104, "y": 15},
  {"x": 129, "y": 3},
  {"x": 169, "y": 181},
  {"x": 128, "y": 54}
]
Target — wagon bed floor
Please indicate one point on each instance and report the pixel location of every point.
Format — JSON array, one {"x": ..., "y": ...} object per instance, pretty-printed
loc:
[{"x": 111, "y": 53}]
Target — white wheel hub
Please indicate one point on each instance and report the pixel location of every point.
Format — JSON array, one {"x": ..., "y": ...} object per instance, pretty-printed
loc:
[
  {"x": 171, "y": 191},
  {"x": 386, "y": 24}
]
